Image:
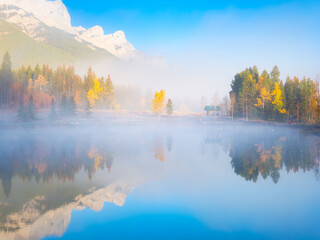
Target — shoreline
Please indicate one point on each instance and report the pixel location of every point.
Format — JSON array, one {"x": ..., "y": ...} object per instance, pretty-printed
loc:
[{"x": 8, "y": 119}]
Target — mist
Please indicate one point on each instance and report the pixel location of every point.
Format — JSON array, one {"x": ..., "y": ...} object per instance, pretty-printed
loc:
[{"x": 203, "y": 123}]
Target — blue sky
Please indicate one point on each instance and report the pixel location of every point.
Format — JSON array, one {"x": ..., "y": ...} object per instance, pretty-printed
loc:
[{"x": 218, "y": 38}]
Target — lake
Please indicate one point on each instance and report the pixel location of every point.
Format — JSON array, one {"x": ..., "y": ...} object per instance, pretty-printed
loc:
[{"x": 169, "y": 181}]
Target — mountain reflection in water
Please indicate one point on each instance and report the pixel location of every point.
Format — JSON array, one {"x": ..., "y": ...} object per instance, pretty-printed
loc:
[{"x": 46, "y": 174}]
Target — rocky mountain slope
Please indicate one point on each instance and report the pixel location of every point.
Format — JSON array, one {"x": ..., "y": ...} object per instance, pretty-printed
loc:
[{"x": 32, "y": 16}]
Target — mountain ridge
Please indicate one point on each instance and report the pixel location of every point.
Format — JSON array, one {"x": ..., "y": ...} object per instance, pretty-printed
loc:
[{"x": 55, "y": 14}]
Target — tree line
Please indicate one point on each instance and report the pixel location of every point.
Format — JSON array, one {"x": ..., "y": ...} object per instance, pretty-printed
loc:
[
  {"x": 42, "y": 85},
  {"x": 264, "y": 96}
]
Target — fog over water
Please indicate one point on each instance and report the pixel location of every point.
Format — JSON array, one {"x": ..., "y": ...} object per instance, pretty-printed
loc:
[{"x": 167, "y": 180}]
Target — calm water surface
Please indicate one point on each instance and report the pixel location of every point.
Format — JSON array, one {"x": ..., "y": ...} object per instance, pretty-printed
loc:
[{"x": 164, "y": 182}]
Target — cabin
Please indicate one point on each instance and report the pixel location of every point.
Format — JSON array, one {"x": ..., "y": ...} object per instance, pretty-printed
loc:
[{"x": 213, "y": 110}]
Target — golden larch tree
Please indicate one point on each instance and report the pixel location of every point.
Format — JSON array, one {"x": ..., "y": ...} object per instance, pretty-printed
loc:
[
  {"x": 264, "y": 96},
  {"x": 158, "y": 102},
  {"x": 277, "y": 99},
  {"x": 94, "y": 93}
]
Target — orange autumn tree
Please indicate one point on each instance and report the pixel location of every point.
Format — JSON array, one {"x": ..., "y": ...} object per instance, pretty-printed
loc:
[{"x": 158, "y": 102}]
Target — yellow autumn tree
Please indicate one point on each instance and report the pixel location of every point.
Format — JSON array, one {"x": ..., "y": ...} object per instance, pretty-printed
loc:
[
  {"x": 94, "y": 93},
  {"x": 158, "y": 102},
  {"x": 277, "y": 98},
  {"x": 40, "y": 83},
  {"x": 264, "y": 97},
  {"x": 94, "y": 154}
]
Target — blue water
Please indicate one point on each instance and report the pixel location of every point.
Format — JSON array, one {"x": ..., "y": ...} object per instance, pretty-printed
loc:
[{"x": 169, "y": 183}]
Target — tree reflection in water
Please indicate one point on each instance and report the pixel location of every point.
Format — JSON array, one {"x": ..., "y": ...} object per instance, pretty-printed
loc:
[
  {"x": 43, "y": 158},
  {"x": 266, "y": 153},
  {"x": 58, "y": 172}
]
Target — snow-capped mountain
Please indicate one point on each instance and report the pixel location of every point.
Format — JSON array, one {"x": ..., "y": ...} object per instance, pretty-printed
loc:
[
  {"x": 52, "y": 13},
  {"x": 36, "y": 221},
  {"x": 32, "y": 15}
]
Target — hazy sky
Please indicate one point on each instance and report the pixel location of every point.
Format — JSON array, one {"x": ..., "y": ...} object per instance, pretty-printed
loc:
[{"x": 213, "y": 40}]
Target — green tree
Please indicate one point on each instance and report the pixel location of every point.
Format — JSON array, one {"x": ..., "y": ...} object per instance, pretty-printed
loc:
[
  {"x": 53, "y": 113},
  {"x": 247, "y": 95},
  {"x": 64, "y": 106},
  {"x": 72, "y": 107},
  {"x": 275, "y": 74},
  {"x": 169, "y": 107},
  {"x": 30, "y": 111},
  {"x": 21, "y": 114},
  {"x": 6, "y": 79}
]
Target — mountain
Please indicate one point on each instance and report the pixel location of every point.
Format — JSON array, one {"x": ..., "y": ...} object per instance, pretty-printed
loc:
[
  {"x": 56, "y": 48},
  {"x": 31, "y": 41},
  {"x": 36, "y": 220},
  {"x": 38, "y": 18}
]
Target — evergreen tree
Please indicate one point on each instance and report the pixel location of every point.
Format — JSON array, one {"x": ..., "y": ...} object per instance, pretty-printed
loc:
[
  {"x": 109, "y": 93},
  {"x": 72, "y": 107},
  {"x": 255, "y": 73},
  {"x": 89, "y": 80},
  {"x": 275, "y": 74},
  {"x": 64, "y": 106},
  {"x": 30, "y": 111},
  {"x": 53, "y": 114},
  {"x": 88, "y": 108},
  {"x": 6, "y": 79},
  {"x": 169, "y": 107},
  {"x": 21, "y": 111}
]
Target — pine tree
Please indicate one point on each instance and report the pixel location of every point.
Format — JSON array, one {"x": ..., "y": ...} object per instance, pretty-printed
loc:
[
  {"x": 275, "y": 74},
  {"x": 109, "y": 93},
  {"x": 88, "y": 108},
  {"x": 6, "y": 79},
  {"x": 21, "y": 111},
  {"x": 30, "y": 111},
  {"x": 64, "y": 106},
  {"x": 169, "y": 107},
  {"x": 72, "y": 107},
  {"x": 53, "y": 114}
]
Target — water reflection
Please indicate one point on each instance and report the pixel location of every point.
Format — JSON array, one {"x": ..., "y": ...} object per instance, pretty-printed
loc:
[
  {"x": 158, "y": 149},
  {"x": 45, "y": 178},
  {"x": 42, "y": 158},
  {"x": 266, "y": 153}
]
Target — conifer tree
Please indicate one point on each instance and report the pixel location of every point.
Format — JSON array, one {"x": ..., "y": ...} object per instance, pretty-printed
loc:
[
  {"x": 64, "y": 106},
  {"x": 72, "y": 107},
  {"x": 275, "y": 74},
  {"x": 21, "y": 111},
  {"x": 88, "y": 108},
  {"x": 6, "y": 79},
  {"x": 30, "y": 111},
  {"x": 53, "y": 114},
  {"x": 169, "y": 107}
]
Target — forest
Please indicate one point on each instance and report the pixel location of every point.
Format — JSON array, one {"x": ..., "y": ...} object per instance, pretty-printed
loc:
[
  {"x": 264, "y": 96},
  {"x": 27, "y": 89},
  {"x": 253, "y": 95},
  {"x": 45, "y": 85}
]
